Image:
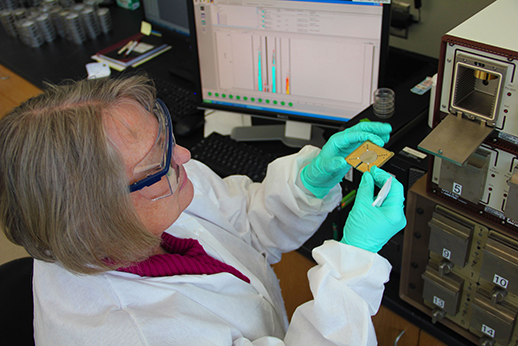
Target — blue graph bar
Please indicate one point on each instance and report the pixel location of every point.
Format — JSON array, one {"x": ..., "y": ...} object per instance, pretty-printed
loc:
[
  {"x": 260, "y": 75},
  {"x": 274, "y": 77}
]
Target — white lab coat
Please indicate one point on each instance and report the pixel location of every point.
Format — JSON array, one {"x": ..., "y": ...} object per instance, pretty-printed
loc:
[{"x": 247, "y": 226}]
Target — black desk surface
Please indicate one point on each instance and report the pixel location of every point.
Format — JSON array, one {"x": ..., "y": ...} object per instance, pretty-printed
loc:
[{"x": 62, "y": 59}]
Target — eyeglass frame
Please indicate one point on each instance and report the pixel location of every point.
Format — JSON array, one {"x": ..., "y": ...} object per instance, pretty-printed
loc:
[{"x": 156, "y": 177}]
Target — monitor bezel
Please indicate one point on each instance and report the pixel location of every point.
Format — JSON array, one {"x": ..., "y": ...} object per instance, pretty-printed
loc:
[
  {"x": 272, "y": 115},
  {"x": 167, "y": 32}
]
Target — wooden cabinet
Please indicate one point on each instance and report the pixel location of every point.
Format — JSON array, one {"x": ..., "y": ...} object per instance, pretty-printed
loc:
[
  {"x": 13, "y": 91},
  {"x": 390, "y": 326},
  {"x": 426, "y": 339},
  {"x": 292, "y": 272}
]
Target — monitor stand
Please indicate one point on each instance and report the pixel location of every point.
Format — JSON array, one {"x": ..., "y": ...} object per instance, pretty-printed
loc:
[{"x": 293, "y": 134}]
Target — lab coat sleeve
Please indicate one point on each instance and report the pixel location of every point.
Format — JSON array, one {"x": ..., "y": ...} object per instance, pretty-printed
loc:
[
  {"x": 282, "y": 213},
  {"x": 275, "y": 216},
  {"x": 347, "y": 284}
]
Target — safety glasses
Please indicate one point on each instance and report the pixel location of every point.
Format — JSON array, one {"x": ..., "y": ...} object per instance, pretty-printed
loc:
[{"x": 157, "y": 174}]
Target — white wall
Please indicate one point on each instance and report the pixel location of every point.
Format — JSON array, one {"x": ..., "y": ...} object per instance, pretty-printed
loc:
[{"x": 437, "y": 18}]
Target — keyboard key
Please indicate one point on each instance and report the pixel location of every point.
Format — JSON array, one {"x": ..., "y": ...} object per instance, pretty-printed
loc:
[{"x": 226, "y": 156}]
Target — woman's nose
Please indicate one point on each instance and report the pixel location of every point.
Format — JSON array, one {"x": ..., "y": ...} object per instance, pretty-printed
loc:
[{"x": 181, "y": 155}]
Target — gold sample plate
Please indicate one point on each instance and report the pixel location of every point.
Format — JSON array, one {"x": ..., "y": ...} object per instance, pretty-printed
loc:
[{"x": 367, "y": 155}]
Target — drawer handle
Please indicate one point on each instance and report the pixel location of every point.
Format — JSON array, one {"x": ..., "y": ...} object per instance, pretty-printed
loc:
[{"x": 398, "y": 337}]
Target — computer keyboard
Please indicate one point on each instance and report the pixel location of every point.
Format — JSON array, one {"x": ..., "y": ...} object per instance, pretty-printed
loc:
[
  {"x": 179, "y": 100},
  {"x": 226, "y": 156}
]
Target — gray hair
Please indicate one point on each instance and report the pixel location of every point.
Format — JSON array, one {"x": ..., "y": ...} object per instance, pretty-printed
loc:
[{"x": 63, "y": 188}]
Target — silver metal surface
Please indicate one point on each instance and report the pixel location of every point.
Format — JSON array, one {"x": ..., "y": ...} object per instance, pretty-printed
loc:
[
  {"x": 500, "y": 266},
  {"x": 443, "y": 292},
  {"x": 477, "y": 87},
  {"x": 496, "y": 321},
  {"x": 455, "y": 139},
  {"x": 468, "y": 180},
  {"x": 449, "y": 238}
]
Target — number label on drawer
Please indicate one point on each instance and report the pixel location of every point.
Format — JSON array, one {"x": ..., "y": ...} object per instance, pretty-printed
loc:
[
  {"x": 457, "y": 189},
  {"x": 488, "y": 331},
  {"x": 438, "y": 301},
  {"x": 500, "y": 281},
  {"x": 446, "y": 253}
]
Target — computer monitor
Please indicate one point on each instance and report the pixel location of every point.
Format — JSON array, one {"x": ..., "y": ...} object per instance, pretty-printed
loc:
[
  {"x": 168, "y": 15},
  {"x": 313, "y": 62}
]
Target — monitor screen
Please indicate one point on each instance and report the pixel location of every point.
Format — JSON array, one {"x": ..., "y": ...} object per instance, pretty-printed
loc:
[
  {"x": 170, "y": 15},
  {"x": 312, "y": 61}
]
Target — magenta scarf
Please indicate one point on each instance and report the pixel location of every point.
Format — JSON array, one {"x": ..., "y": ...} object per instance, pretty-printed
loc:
[{"x": 186, "y": 256}]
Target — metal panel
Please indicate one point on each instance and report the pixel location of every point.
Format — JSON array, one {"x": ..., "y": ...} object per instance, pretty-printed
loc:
[{"x": 455, "y": 139}]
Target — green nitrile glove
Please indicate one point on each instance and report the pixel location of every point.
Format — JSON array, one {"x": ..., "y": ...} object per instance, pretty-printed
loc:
[
  {"x": 329, "y": 167},
  {"x": 369, "y": 227}
]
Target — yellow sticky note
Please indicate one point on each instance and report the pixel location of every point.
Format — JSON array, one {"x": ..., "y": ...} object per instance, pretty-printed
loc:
[{"x": 145, "y": 28}]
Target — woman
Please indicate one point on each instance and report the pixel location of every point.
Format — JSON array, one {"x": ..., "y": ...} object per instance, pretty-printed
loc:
[{"x": 136, "y": 244}]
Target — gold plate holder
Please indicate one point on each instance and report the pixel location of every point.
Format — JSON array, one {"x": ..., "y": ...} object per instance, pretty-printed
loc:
[{"x": 367, "y": 155}]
